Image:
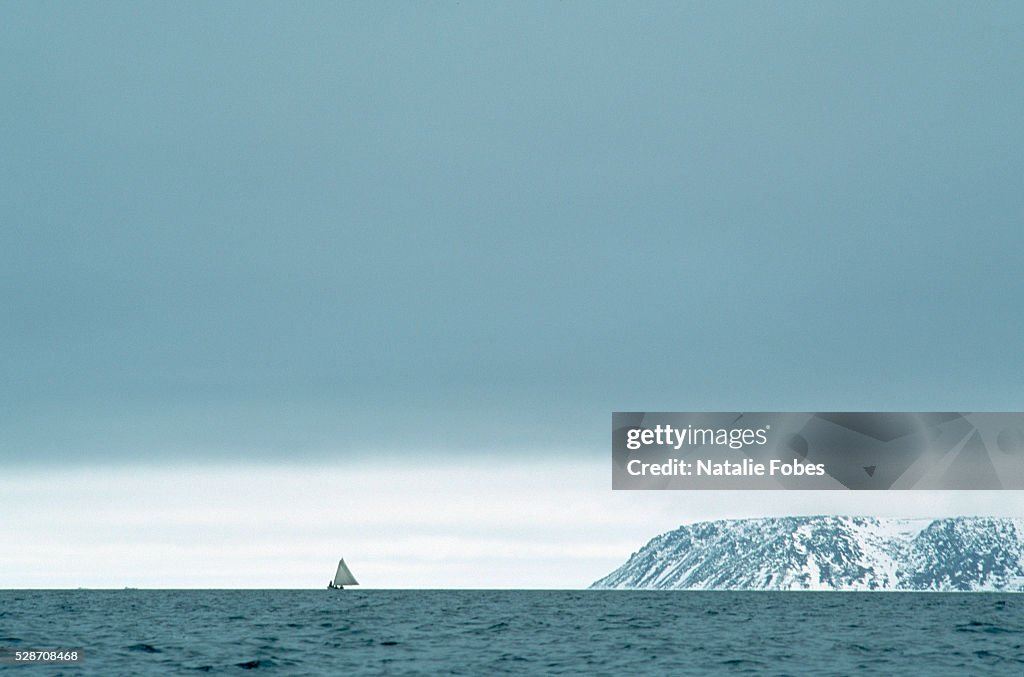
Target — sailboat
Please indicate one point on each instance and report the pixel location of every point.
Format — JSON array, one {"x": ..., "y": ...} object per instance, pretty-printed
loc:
[{"x": 342, "y": 577}]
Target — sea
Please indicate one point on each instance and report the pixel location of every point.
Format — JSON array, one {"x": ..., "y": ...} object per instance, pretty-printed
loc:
[{"x": 517, "y": 632}]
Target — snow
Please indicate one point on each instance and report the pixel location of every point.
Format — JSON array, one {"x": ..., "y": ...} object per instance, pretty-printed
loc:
[{"x": 832, "y": 553}]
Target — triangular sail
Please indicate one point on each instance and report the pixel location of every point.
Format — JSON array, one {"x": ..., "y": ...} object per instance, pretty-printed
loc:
[{"x": 343, "y": 576}]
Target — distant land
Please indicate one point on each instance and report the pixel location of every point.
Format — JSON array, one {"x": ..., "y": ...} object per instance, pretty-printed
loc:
[{"x": 968, "y": 554}]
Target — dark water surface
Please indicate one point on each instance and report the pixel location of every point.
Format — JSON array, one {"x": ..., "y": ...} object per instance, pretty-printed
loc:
[{"x": 484, "y": 632}]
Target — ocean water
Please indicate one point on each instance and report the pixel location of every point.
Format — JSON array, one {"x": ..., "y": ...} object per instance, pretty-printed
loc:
[{"x": 492, "y": 632}]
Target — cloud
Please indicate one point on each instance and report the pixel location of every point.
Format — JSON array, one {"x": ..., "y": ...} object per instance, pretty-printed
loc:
[
  {"x": 479, "y": 523},
  {"x": 275, "y": 234}
]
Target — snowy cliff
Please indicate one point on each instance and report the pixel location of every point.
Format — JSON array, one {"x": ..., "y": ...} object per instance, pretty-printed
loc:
[{"x": 831, "y": 553}]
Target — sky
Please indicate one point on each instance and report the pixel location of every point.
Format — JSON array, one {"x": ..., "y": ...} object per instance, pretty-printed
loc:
[{"x": 389, "y": 245}]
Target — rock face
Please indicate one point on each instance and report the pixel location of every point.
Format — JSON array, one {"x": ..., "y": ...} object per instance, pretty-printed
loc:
[{"x": 831, "y": 553}]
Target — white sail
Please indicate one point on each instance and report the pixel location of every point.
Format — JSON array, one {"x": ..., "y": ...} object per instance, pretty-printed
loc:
[{"x": 343, "y": 576}]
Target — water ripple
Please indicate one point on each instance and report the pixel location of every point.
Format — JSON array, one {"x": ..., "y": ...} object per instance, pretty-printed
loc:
[{"x": 521, "y": 632}]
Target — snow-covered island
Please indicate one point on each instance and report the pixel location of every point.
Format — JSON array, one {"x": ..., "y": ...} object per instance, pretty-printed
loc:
[{"x": 831, "y": 553}]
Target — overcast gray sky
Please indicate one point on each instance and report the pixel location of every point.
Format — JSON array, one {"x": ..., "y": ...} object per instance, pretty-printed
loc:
[
  {"x": 240, "y": 238},
  {"x": 314, "y": 231}
]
